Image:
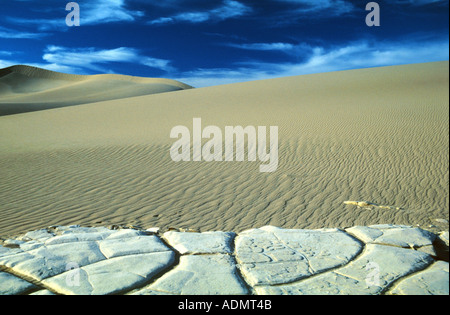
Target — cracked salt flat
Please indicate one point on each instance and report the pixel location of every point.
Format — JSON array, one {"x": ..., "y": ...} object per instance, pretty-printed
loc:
[
  {"x": 268, "y": 260},
  {"x": 273, "y": 256}
]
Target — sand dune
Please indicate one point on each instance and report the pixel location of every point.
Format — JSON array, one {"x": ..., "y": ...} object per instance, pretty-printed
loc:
[
  {"x": 379, "y": 135},
  {"x": 25, "y": 89}
]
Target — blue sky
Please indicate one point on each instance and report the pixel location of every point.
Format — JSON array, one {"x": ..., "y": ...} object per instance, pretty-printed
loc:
[{"x": 210, "y": 42}]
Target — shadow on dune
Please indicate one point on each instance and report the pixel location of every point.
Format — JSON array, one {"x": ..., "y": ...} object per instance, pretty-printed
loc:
[{"x": 27, "y": 89}]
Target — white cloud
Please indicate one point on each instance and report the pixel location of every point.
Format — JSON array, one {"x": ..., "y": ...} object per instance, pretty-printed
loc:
[
  {"x": 96, "y": 59},
  {"x": 356, "y": 55},
  {"x": 48, "y": 66},
  {"x": 193, "y": 17},
  {"x": 104, "y": 11},
  {"x": 6, "y": 63},
  {"x": 91, "y": 12},
  {"x": 332, "y": 7},
  {"x": 229, "y": 9},
  {"x": 418, "y": 2},
  {"x": 364, "y": 54},
  {"x": 339, "y": 7},
  {"x": 11, "y": 33},
  {"x": 88, "y": 60},
  {"x": 219, "y": 76},
  {"x": 264, "y": 46}
]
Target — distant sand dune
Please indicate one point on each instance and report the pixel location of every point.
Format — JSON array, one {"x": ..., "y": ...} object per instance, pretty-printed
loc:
[
  {"x": 379, "y": 135},
  {"x": 24, "y": 88}
]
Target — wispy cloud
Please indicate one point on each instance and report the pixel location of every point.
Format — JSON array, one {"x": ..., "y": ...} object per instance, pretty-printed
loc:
[
  {"x": 229, "y": 9},
  {"x": 92, "y": 12},
  {"x": 47, "y": 66},
  {"x": 15, "y": 34},
  {"x": 97, "y": 59},
  {"x": 6, "y": 63},
  {"x": 362, "y": 54},
  {"x": 88, "y": 60},
  {"x": 105, "y": 11},
  {"x": 418, "y": 2},
  {"x": 314, "y": 8},
  {"x": 331, "y": 7},
  {"x": 264, "y": 46}
]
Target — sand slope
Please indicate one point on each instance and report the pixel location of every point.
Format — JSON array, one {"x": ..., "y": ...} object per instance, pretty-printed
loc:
[
  {"x": 24, "y": 88},
  {"x": 379, "y": 135}
]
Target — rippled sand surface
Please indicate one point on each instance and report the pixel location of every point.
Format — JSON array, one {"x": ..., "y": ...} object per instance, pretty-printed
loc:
[{"x": 380, "y": 135}]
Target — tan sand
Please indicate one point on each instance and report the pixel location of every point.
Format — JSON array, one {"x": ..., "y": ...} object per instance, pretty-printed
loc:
[{"x": 377, "y": 135}]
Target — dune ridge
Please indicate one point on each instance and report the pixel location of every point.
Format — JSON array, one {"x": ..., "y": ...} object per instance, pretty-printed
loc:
[
  {"x": 31, "y": 71},
  {"x": 379, "y": 135},
  {"x": 25, "y": 88}
]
